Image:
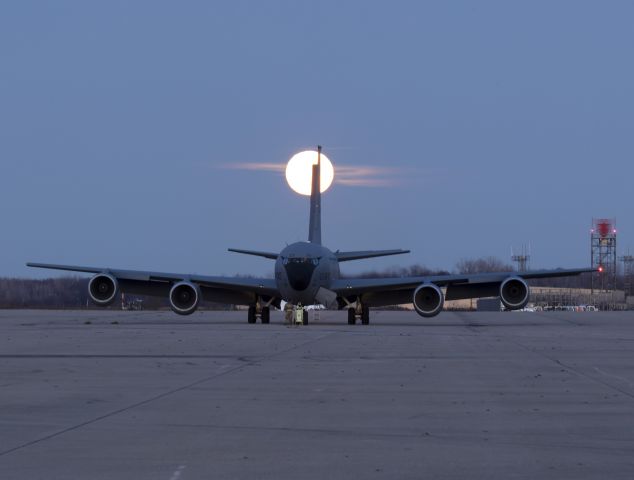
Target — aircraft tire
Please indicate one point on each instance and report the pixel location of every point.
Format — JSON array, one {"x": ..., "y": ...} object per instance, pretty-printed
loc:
[
  {"x": 305, "y": 317},
  {"x": 352, "y": 316},
  {"x": 266, "y": 315},
  {"x": 251, "y": 314},
  {"x": 365, "y": 315}
]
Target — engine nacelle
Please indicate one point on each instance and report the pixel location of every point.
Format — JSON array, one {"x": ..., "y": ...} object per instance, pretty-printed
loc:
[
  {"x": 184, "y": 298},
  {"x": 514, "y": 293},
  {"x": 428, "y": 300},
  {"x": 103, "y": 289}
]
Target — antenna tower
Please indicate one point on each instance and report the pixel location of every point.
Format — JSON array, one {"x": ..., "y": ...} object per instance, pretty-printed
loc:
[
  {"x": 522, "y": 258},
  {"x": 628, "y": 272}
]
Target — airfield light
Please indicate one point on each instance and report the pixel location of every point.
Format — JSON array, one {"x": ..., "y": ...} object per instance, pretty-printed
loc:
[
  {"x": 600, "y": 268},
  {"x": 299, "y": 171}
]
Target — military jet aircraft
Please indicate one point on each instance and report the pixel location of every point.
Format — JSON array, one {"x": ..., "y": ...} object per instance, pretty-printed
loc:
[{"x": 307, "y": 273}]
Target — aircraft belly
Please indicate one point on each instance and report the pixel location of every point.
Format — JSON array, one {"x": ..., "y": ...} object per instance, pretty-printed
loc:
[{"x": 303, "y": 297}]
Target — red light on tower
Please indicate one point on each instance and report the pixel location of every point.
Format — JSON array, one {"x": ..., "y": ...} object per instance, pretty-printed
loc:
[{"x": 604, "y": 227}]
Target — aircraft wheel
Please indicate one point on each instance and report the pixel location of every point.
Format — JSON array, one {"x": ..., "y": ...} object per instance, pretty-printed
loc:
[
  {"x": 365, "y": 315},
  {"x": 251, "y": 314},
  {"x": 266, "y": 315},
  {"x": 352, "y": 317},
  {"x": 305, "y": 317}
]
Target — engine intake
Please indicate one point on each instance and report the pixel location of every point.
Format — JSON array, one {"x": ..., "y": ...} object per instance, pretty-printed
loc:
[
  {"x": 428, "y": 300},
  {"x": 184, "y": 298},
  {"x": 514, "y": 293},
  {"x": 103, "y": 289}
]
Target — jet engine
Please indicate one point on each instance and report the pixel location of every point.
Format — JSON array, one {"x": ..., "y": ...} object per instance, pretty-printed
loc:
[
  {"x": 428, "y": 300},
  {"x": 103, "y": 289},
  {"x": 184, "y": 298},
  {"x": 514, "y": 293}
]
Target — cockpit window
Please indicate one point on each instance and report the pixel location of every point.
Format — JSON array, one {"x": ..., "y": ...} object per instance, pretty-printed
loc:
[{"x": 300, "y": 260}]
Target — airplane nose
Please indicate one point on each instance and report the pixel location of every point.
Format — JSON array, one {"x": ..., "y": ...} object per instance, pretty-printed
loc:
[{"x": 299, "y": 275}]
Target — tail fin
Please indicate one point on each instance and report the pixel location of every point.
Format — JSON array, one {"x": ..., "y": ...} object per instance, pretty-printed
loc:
[{"x": 314, "y": 226}]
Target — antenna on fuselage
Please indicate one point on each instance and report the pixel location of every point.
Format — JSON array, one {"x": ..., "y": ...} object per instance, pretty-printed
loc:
[{"x": 314, "y": 225}]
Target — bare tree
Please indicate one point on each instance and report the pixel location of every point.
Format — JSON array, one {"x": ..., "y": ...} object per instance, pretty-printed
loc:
[{"x": 480, "y": 265}]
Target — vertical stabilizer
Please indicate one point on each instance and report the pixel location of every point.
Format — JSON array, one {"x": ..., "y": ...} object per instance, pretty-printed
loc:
[{"x": 314, "y": 226}]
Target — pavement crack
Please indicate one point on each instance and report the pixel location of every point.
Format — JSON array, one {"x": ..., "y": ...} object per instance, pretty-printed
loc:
[
  {"x": 618, "y": 377},
  {"x": 147, "y": 401},
  {"x": 574, "y": 370}
]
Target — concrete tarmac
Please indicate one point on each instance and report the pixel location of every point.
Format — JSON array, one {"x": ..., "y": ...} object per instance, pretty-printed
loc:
[{"x": 147, "y": 395}]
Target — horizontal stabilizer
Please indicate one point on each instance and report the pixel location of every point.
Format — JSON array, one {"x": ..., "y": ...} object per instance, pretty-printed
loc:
[
  {"x": 347, "y": 256},
  {"x": 272, "y": 256}
]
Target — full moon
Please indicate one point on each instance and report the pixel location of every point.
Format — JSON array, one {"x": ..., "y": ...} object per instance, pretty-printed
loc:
[{"x": 299, "y": 171}]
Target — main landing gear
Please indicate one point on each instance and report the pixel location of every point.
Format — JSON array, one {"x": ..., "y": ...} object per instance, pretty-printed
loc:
[
  {"x": 265, "y": 314},
  {"x": 363, "y": 313}
]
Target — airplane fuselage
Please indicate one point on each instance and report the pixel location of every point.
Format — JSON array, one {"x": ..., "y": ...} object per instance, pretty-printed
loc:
[{"x": 303, "y": 268}]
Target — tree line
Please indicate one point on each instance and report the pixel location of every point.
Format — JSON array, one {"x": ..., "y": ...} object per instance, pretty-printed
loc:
[
  {"x": 63, "y": 292},
  {"x": 72, "y": 293}
]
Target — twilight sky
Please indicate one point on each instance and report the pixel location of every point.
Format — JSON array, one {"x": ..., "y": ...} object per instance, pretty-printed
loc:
[{"x": 491, "y": 124}]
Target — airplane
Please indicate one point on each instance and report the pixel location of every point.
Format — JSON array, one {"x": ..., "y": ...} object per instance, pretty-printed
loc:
[{"x": 307, "y": 273}]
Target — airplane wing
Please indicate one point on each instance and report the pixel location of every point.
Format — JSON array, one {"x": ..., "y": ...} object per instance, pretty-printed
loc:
[
  {"x": 391, "y": 291},
  {"x": 239, "y": 290}
]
